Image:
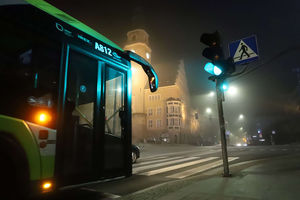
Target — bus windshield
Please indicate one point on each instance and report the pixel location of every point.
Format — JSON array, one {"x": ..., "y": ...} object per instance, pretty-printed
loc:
[{"x": 28, "y": 75}]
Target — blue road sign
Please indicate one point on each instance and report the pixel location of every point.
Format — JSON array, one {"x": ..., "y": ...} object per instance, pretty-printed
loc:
[{"x": 244, "y": 50}]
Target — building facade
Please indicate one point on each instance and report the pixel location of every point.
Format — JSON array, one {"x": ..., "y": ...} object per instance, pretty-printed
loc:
[
  {"x": 165, "y": 114},
  {"x": 168, "y": 110},
  {"x": 138, "y": 42}
]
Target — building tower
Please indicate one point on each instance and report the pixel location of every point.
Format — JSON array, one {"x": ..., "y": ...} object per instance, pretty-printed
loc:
[{"x": 138, "y": 42}]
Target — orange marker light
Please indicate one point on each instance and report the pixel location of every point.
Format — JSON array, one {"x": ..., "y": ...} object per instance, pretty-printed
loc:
[
  {"x": 43, "y": 117},
  {"x": 47, "y": 185}
]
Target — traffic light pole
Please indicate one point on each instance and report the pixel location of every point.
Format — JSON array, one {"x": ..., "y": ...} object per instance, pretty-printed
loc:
[{"x": 220, "y": 97}]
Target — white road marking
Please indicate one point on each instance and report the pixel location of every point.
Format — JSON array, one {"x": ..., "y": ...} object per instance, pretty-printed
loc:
[
  {"x": 155, "y": 161},
  {"x": 174, "y": 167},
  {"x": 202, "y": 168},
  {"x": 142, "y": 168}
]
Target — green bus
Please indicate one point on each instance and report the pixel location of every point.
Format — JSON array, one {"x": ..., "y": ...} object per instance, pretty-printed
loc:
[{"x": 65, "y": 104}]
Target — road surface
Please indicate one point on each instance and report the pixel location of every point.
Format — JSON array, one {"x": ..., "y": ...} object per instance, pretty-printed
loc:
[{"x": 164, "y": 163}]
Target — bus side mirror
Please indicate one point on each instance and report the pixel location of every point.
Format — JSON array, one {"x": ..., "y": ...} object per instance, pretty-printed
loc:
[{"x": 152, "y": 76}]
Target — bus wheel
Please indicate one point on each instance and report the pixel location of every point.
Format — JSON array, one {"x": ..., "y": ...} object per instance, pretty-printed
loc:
[{"x": 8, "y": 178}]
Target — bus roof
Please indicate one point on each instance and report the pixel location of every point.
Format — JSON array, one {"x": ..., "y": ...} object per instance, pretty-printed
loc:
[{"x": 48, "y": 8}]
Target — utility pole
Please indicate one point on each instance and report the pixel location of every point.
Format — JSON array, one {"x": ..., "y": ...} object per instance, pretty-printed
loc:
[
  {"x": 220, "y": 99},
  {"x": 221, "y": 69}
]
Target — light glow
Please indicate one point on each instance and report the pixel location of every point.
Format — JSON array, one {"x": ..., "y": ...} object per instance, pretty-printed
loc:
[
  {"x": 208, "y": 110},
  {"x": 212, "y": 69},
  {"x": 43, "y": 117},
  {"x": 217, "y": 71},
  {"x": 224, "y": 87},
  {"x": 147, "y": 55},
  {"x": 232, "y": 90},
  {"x": 47, "y": 185}
]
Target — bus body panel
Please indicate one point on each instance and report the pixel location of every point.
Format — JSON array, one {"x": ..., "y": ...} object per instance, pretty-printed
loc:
[
  {"x": 47, "y": 166},
  {"x": 19, "y": 130},
  {"x": 44, "y": 160},
  {"x": 48, "y": 8}
]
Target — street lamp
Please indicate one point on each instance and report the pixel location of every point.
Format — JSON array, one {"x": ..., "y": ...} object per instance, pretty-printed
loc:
[
  {"x": 211, "y": 94},
  {"x": 241, "y": 128},
  {"x": 232, "y": 90},
  {"x": 241, "y": 117},
  {"x": 208, "y": 110}
]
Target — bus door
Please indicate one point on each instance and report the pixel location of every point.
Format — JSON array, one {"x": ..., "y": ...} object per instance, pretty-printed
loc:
[
  {"x": 115, "y": 159},
  {"x": 77, "y": 139},
  {"x": 93, "y": 137}
]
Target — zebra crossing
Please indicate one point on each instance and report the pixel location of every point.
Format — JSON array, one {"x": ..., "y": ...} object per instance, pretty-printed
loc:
[{"x": 178, "y": 167}]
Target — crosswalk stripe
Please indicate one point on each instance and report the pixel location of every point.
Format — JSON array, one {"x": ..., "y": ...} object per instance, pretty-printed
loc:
[
  {"x": 155, "y": 161},
  {"x": 142, "y": 168},
  {"x": 202, "y": 168},
  {"x": 174, "y": 167}
]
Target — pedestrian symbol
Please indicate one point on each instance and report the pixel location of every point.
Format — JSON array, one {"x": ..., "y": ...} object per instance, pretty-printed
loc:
[{"x": 244, "y": 50}]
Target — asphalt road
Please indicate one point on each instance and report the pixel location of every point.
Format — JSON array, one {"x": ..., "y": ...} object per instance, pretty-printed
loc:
[{"x": 163, "y": 163}]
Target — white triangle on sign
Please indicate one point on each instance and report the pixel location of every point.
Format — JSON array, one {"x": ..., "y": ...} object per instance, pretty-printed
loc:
[{"x": 243, "y": 52}]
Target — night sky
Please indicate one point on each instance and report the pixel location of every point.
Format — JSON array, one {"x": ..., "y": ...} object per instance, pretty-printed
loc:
[{"x": 175, "y": 28}]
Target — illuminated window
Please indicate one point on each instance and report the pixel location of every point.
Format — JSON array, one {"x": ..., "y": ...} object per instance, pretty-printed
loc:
[
  {"x": 159, "y": 111},
  {"x": 176, "y": 122},
  {"x": 150, "y": 123},
  {"x": 150, "y": 112},
  {"x": 158, "y": 123},
  {"x": 176, "y": 109},
  {"x": 147, "y": 55},
  {"x": 171, "y": 122}
]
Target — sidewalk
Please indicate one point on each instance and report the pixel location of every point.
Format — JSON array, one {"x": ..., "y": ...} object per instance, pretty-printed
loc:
[{"x": 275, "y": 178}]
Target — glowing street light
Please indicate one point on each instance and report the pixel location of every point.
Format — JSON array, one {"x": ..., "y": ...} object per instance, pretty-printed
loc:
[
  {"x": 232, "y": 90},
  {"x": 241, "y": 128},
  {"x": 241, "y": 116},
  {"x": 211, "y": 94},
  {"x": 208, "y": 110}
]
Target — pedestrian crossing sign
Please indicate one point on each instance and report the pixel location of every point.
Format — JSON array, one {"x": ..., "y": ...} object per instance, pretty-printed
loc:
[{"x": 244, "y": 50}]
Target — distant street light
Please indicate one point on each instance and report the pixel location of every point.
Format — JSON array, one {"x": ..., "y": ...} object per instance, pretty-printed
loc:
[
  {"x": 211, "y": 94},
  {"x": 241, "y": 116},
  {"x": 232, "y": 90},
  {"x": 241, "y": 128},
  {"x": 208, "y": 110}
]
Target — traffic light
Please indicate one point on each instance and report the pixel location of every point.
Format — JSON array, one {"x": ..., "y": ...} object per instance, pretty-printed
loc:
[
  {"x": 213, "y": 51},
  {"x": 218, "y": 66},
  {"x": 224, "y": 86},
  {"x": 212, "y": 69}
]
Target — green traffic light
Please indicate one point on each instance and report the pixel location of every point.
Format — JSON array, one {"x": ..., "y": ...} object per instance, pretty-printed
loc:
[
  {"x": 212, "y": 69},
  {"x": 224, "y": 86}
]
